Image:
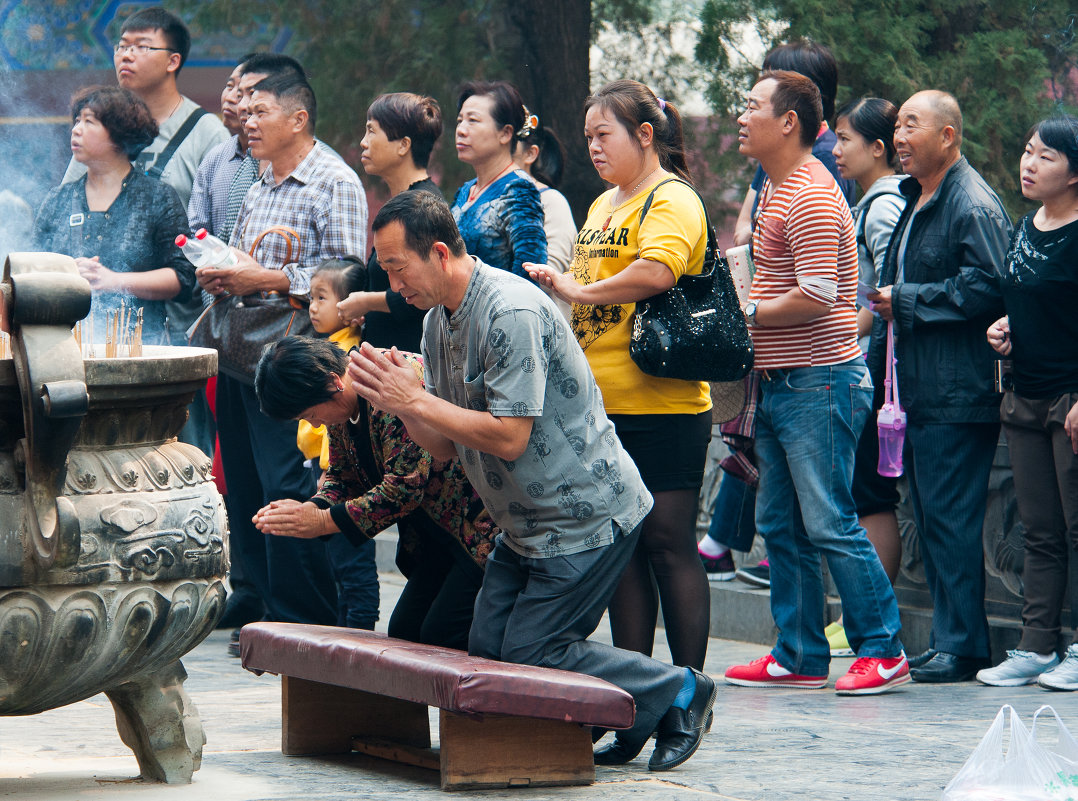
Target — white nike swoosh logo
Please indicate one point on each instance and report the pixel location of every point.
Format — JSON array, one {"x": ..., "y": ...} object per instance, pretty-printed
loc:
[
  {"x": 776, "y": 670},
  {"x": 886, "y": 674}
]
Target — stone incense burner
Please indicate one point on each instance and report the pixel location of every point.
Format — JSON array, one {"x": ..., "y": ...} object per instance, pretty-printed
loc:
[{"x": 113, "y": 538}]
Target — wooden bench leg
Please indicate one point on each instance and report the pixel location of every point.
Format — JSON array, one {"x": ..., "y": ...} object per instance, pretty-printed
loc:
[
  {"x": 323, "y": 718},
  {"x": 500, "y": 751}
]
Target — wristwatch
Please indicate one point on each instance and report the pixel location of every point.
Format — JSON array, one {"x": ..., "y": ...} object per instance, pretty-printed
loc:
[{"x": 750, "y": 312}]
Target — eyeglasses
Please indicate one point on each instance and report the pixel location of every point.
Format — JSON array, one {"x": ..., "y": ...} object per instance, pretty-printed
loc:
[{"x": 137, "y": 49}]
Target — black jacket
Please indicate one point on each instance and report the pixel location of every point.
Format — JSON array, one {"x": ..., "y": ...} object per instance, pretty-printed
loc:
[{"x": 947, "y": 299}]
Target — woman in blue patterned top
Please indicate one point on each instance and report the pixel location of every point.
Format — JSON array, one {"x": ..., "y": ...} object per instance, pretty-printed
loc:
[
  {"x": 118, "y": 224},
  {"x": 499, "y": 213}
]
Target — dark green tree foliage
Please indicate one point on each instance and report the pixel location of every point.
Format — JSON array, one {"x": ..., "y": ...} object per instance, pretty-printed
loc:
[
  {"x": 1009, "y": 63},
  {"x": 355, "y": 50}
]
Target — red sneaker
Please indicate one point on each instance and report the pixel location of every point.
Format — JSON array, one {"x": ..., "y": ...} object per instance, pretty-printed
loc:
[
  {"x": 767, "y": 672},
  {"x": 870, "y": 675}
]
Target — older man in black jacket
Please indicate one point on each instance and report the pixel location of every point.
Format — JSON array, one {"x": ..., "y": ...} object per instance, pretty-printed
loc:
[{"x": 943, "y": 295}]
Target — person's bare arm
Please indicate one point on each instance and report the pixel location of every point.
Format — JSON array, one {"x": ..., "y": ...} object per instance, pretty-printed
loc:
[
  {"x": 743, "y": 226},
  {"x": 792, "y": 308},
  {"x": 245, "y": 277},
  {"x": 159, "y": 284},
  {"x": 641, "y": 279}
]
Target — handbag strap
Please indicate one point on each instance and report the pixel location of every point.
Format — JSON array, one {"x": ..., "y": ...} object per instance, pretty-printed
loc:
[
  {"x": 890, "y": 384},
  {"x": 711, "y": 252},
  {"x": 165, "y": 156},
  {"x": 282, "y": 231}
]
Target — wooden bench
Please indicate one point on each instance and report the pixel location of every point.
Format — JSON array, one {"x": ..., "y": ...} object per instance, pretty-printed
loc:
[{"x": 501, "y": 725}]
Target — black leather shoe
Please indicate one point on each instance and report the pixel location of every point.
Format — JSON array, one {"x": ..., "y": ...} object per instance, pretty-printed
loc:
[
  {"x": 621, "y": 751},
  {"x": 921, "y": 658},
  {"x": 681, "y": 730},
  {"x": 945, "y": 668}
]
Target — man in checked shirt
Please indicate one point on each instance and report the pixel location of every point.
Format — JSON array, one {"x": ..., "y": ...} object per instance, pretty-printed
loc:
[{"x": 314, "y": 193}]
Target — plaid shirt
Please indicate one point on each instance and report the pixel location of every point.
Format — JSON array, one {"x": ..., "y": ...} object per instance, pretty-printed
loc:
[
  {"x": 209, "y": 194},
  {"x": 740, "y": 434},
  {"x": 322, "y": 201}
]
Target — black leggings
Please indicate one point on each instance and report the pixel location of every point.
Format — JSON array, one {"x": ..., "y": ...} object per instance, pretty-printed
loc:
[{"x": 670, "y": 451}]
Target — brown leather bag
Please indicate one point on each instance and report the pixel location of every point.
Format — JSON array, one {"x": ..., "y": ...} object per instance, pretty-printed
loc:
[{"x": 239, "y": 328}]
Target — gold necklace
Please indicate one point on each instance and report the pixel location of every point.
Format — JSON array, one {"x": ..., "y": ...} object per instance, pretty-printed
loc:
[{"x": 614, "y": 208}]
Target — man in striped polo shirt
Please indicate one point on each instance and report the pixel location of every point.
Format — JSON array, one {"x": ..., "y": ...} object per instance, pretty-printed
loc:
[{"x": 815, "y": 393}]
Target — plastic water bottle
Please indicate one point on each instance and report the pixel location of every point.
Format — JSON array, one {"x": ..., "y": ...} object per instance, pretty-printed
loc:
[
  {"x": 891, "y": 427},
  {"x": 206, "y": 250}
]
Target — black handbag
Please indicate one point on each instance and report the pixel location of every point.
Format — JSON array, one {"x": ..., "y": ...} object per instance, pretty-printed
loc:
[
  {"x": 695, "y": 330},
  {"x": 238, "y": 328}
]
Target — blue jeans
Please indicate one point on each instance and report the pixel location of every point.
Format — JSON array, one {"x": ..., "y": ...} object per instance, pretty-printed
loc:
[
  {"x": 808, "y": 422},
  {"x": 733, "y": 521}
]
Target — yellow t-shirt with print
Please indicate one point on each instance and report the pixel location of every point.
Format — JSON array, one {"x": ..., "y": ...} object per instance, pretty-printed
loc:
[
  {"x": 313, "y": 441},
  {"x": 673, "y": 233}
]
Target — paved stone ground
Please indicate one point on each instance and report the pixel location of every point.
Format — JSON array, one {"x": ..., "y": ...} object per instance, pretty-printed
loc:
[{"x": 766, "y": 745}]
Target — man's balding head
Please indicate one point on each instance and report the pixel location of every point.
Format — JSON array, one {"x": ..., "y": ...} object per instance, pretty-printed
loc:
[
  {"x": 928, "y": 134},
  {"x": 945, "y": 108}
]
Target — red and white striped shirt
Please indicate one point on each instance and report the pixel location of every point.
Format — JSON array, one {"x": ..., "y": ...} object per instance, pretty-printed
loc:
[{"x": 804, "y": 238}]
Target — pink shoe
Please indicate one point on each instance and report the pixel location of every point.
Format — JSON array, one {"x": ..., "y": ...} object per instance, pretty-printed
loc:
[
  {"x": 767, "y": 672},
  {"x": 871, "y": 675}
]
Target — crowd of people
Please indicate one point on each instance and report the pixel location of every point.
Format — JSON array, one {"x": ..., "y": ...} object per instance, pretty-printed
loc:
[{"x": 468, "y": 378}]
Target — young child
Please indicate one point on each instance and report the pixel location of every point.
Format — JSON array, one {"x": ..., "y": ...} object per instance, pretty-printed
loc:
[
  {"x": 333, "y": 280},
  {"x": 353, "y": 566}
]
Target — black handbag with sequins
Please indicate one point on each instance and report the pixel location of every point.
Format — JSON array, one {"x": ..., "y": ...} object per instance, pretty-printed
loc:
[{"x": 695, "y": 330}]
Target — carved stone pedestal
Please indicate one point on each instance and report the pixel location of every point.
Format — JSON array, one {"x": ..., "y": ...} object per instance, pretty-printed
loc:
[{"x": 113, "y": 537}]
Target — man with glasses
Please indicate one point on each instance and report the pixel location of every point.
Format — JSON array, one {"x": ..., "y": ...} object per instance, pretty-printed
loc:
[{"x": 152, "y": 49}]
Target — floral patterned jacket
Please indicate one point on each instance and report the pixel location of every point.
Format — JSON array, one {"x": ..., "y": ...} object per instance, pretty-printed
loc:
[{"x": 378, "y": 476}]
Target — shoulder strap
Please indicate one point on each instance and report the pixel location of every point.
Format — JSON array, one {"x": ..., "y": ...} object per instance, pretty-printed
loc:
[
  {"x": 712, "y": 240},
  {"x": 166, "y": 155},
  {"x": 862, "y": 218}
]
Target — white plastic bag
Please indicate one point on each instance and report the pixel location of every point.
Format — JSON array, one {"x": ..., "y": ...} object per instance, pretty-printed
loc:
[
  {"x": 1021, "y": 772},
  {"x": 1063, "y": 756}
]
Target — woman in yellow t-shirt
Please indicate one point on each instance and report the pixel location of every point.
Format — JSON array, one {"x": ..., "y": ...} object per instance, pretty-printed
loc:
[{"x": 635, "y": 143}]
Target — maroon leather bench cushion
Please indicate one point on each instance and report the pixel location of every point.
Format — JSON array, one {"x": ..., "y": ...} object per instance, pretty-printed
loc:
[{"x": 441, "y": 677}]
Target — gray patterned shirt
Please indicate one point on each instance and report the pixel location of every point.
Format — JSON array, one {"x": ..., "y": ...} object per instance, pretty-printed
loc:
[{"x": 509, "y": 351}]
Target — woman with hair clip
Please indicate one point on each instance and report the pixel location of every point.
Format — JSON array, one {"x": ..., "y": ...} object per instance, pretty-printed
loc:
[
  {"x": 865, "y": 152},
  {"x": 623, "y": 256},
  {"x": 499, "y": 212},
  {"x": 539, "y": 152}
]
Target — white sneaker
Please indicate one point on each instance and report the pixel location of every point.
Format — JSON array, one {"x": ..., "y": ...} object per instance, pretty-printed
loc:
[
  {"x": 1065, "y": 675},
  {"x": 1020, "y": 667}
]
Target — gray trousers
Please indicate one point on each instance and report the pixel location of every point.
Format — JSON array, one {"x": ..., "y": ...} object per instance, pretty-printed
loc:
[
  {"x": 1046, "y": 489},
  {"x": 541, "y": 612}
]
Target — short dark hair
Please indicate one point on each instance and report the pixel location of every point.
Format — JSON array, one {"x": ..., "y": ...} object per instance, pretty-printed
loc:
[
  {"x": 346, "y": 275},
  {"x": 418, "y": 117},
  {"x": 172, "y": 28},
  {"x": 272, "y": 64},
  {"x": 292, "y": 92},
  {"x": 550, "y": 163},
  {"x": 507, "y": 107},
  {"x": 426, "y": 219},
  {"x": 797, "y": 93},
  {"x": 1061, "y": 134},
  {"x": 874, "y": 119},
  {"x": 813, "y": 60},
  {"x": 125, "y": 116},
  {"x": 293, "y": 374}
]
